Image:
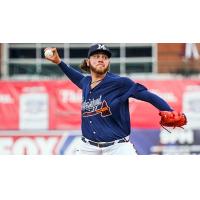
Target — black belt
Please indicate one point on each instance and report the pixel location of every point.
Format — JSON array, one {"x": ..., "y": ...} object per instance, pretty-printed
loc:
[{"x": 103, "y": 144}]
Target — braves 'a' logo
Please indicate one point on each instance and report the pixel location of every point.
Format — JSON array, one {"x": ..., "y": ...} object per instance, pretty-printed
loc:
[{"x": 104, "y": 111}]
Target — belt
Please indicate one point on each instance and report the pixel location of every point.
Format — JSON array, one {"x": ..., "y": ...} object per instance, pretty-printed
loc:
[{"x": 104, "y": 144}]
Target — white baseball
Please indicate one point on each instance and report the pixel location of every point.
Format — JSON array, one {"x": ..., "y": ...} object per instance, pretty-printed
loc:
[{"x": 48, "y": 53}]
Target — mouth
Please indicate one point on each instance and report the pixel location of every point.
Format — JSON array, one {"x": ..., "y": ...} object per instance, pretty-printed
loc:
[{"x": 102, "y": 65}]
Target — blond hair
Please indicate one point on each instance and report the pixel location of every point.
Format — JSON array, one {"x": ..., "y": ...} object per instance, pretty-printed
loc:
[{"x": 84, "y": 66}]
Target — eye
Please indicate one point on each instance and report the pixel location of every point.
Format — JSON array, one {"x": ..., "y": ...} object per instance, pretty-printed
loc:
[{"x": 105, "y": 57}]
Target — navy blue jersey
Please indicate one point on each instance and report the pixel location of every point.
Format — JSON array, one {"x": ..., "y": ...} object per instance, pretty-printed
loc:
[{"x": 105, "y": 108}]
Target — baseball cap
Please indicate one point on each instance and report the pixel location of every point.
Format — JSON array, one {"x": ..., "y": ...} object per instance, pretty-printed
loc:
[{"x": 99, "y": 48}]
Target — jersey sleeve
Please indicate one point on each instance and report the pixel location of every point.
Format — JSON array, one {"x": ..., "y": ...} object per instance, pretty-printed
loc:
[
  {"x": 153, "y": 99},
  {"x": 75, "y": 76},
  {"x": 140, "y": 92},
  {"x": 129, "y": 88}
]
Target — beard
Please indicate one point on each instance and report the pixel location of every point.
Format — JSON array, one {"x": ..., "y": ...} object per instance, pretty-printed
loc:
[{"x": 100, "y": 71}]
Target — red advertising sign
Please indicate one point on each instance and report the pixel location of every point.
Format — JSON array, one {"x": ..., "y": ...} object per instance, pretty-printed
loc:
[{"x": 56, "y": 105}]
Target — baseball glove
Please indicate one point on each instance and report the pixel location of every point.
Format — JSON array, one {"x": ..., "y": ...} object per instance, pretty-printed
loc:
[{"x": 172, "y": 119}]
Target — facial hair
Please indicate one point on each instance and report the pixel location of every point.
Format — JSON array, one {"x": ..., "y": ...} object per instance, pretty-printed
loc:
[{"x": 99, "y": 71}]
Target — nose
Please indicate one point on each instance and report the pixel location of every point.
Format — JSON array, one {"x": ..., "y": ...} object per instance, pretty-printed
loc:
[{"x": 100, "y": 59}]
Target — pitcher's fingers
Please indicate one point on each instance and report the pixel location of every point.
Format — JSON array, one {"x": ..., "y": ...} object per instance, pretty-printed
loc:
[
  {"x": 48, "y": 48},
  {"x": 53, "y": 49},
  {"x": 50, "y": 58}
]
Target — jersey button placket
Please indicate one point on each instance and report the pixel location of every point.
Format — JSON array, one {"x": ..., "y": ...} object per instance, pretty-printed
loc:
[
  {"x": 90, "y": 121},
  {"x": 93, "y": 131}
]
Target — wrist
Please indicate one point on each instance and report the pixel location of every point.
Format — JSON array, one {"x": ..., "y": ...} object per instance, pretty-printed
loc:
[{"x": 58, "y": 61}]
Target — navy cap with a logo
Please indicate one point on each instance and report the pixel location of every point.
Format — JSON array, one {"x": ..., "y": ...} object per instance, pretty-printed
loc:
[{"x": 99, "y": 48}]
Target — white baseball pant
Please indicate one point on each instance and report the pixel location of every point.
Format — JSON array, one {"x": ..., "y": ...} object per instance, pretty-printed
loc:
[{"x": 125, "y": 148}]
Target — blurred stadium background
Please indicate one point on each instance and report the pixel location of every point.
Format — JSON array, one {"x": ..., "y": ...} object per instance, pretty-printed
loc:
[{"x": 40, "y": 107}]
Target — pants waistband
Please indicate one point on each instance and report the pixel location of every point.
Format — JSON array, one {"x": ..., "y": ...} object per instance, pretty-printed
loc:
[{"x": 104, "y": 144}]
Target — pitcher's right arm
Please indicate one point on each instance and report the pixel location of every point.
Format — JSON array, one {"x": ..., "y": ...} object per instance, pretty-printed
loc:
[{"x": 75, "y": 76}]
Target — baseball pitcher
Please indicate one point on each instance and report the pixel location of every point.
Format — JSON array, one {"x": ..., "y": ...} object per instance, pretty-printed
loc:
[{"x": 105, "y": 108}]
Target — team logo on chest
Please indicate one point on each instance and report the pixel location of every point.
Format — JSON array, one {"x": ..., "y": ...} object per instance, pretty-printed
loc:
[{"x": 95, "y": 107}]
